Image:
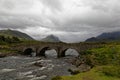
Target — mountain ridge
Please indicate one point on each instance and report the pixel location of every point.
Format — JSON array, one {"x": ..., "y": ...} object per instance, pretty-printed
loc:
[{"x": 106, "y": 36}]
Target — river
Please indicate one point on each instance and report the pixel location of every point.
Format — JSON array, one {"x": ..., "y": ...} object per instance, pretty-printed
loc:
[{"x": 24, "y": 68}]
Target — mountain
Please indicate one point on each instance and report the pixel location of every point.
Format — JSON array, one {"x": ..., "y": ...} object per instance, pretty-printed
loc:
[
  {"x": 93, "y": 39},
  {"x": 15, "y": 34},
  {"x": 51, "y": 38},
  {"x": 110, "y": 36}
]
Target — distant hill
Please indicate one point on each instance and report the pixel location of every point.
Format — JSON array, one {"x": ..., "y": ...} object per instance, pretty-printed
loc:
[
  {"x": 15, "y": 33},
  {"x": 51, "y": 38},
  {"x": 93, "y": 39},
  {"x": 110, "y": 36}
]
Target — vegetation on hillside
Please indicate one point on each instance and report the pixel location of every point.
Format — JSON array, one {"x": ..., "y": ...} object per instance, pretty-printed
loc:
[
  {"x": 6, "y": 43},
  {"x": 12, "y": 39},
  {"x": 10, "y": 33},
  {"x": 110, "y": 54}
]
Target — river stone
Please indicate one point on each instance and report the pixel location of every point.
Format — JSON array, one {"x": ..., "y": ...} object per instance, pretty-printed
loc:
[
  {"x": 38, "y": 64},
  {"x": 84, "y": 68}
]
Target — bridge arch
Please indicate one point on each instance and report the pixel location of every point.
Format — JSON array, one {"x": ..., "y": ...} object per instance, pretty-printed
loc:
[
  {"x": 69, "y": 51},
  {"x": 29, "y": 51},
  {"x": 42, "y": 51},
  {"x": 52, "y": 53}
]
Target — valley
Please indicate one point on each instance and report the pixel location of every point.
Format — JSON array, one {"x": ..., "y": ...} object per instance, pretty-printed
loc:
[
  {"x": 22, "y": 59},
  {"x": 59, "y": 39}
]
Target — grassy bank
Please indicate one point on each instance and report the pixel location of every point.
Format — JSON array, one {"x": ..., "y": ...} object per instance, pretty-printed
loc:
[
  {"x": 94, "y": 74},
  {"x": 105, "y": 62}
]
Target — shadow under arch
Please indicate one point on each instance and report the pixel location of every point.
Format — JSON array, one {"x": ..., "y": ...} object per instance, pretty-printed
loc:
[
  {"x": 69, "y": 52},
  {"x": 44, "y": 51},
  {"x": 28, "y": 51}
]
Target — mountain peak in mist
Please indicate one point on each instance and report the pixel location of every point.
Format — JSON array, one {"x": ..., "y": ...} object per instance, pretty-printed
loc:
[{"x": 51, "y": 38}]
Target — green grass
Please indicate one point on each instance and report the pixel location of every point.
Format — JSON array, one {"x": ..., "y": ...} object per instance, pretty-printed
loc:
[
  {"x": 93, "y": 74},
  {"x": 5, "y": 50},
  {"x": 109, "y": 54},
  {"x": 105, "y": 62}
]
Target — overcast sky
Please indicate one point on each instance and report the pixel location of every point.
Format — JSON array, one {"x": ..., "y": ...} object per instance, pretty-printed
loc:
[{"x": 70, "y": 20}]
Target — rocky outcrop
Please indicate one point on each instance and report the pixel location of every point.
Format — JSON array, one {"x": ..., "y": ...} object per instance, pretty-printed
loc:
[{"x": 80, "y": 64}]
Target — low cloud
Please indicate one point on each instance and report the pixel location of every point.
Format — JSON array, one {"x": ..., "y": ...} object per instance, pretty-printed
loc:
[
  {"x": 71, "y": 20},
  {"x": 53, "y": 4}
]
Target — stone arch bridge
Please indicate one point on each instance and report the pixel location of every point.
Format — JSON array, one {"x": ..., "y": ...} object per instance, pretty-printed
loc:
[{"x": 40, "y": 48}]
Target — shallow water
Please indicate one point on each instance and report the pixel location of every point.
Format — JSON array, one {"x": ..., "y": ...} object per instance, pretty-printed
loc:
[{"x": 23, "y": 68}]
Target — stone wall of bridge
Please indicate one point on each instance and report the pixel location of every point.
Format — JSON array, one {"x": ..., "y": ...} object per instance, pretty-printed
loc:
[{"x": 60, "y": 48}]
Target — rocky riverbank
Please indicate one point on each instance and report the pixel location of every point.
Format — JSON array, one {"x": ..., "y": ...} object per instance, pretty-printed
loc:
[{"x": 38, "y": 68}]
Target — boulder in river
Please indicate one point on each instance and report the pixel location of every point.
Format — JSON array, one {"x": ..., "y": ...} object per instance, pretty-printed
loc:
[{"x": 38, "y": 64}]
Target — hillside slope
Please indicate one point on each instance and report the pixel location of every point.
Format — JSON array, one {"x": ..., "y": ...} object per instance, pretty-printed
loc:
[
  {"x": 110, "y": 36},
  {"x": 16, "y": 34}
]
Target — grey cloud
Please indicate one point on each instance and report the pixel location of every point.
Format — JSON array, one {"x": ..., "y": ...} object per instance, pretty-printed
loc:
[
  {"x": 101, "y": 16},
  {"x": 53, "y": 4},
  {"x": 15, "y": 4},
  {"x": 19, "y": 22},
  {"x": 76, "y": 24},
  {"x": 98, "y": 18},
  {"x": 105, "y": 5}
]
